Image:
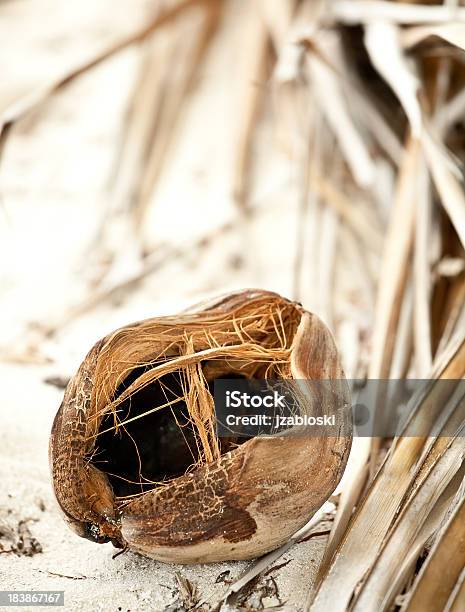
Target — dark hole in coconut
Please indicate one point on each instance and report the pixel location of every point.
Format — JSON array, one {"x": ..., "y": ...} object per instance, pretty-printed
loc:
[{"x": 159, "y": 446}]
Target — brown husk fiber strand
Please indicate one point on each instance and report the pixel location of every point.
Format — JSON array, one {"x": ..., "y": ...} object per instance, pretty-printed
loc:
[{"x": 228, "y": 505}]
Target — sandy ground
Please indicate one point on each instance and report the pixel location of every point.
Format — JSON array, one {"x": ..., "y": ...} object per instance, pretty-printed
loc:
[{"x": 56, "y": 179}]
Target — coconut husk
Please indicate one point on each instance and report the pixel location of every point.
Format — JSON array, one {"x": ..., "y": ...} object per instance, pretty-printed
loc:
[{"x": 186, "y": 495}]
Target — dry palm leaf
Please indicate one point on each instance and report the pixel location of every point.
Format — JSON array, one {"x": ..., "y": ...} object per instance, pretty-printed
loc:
[
  {"x": 186, "y": 495},
  {"x": 383, "y": 45},
  {"x": 328, "y": 92},
  {"x": 448, "y": 552},
  {"x": 453, "y": 33},
  {"x": 256, "y": 41},
  {"x": 400, "y": 511},
  {"x": 158, "y": 97},
  {"x": 27, "y": 102},
  {"x": 366, "y": 11},
  {"x": 409, "y": 533},
  {"x": 189, "y": 47},
  {"x": 374, "y": 517}
]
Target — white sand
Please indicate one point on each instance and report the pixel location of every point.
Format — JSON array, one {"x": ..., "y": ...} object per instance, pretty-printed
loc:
[{"x": 55, "y": 178}]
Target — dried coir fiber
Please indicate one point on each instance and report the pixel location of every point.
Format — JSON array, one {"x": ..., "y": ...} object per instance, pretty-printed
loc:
[{"x": 134, "y": 454}]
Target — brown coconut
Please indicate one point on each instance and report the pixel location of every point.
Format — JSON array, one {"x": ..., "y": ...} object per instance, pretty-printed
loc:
[{"x": 134, "y": 454}]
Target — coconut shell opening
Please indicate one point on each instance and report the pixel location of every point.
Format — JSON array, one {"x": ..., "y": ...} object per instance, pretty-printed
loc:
[
  {"x": 160, "y": 422},
  {"x": 157, "y": 447}
]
